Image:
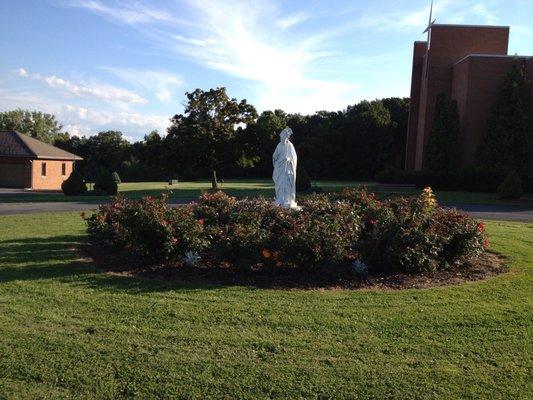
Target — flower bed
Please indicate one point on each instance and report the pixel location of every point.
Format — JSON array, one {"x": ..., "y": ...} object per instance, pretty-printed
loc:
[{"x": 348, "y": 231}]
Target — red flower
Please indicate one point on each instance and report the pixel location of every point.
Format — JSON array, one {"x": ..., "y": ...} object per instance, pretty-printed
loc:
[
  {"x": 372, "y": 195},
  {"x": 480, "y": 226},
  {"x": 486, "y": 243},
  {"x": 373, "y": 222}
]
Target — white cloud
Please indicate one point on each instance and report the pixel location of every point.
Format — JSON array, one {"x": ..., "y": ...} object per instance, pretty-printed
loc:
[
  {"x": 132, "y": 13},
  {"x": 98, "y": 91},
  {"x": 195, "y": 41},
  {"x": 482, "y": 11},
  {"x": 291, "y": 20},
  {"x": 114, "y": 119},
  {"x": 163, "y": 84},
  {"x": 398, "y": 17},
  {"x": 81, "y": 120},
  {"x": 243, "y": 39},
  {"x": 248, "y": 40},
  {"x": 76, "y": 129}
]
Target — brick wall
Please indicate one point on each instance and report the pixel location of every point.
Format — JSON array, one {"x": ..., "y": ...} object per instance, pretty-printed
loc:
[
  {"x": 54, "y": 177},
  {"x": 448, "y": 45},
  {"x": 419, "y": 50},
  {"x": 487, "y": 75}
]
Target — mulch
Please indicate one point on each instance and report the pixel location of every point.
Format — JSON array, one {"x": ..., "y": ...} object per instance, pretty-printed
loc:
[{"x": 485, "y": 266}]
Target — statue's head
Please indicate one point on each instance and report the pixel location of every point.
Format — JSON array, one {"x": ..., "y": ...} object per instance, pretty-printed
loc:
[{"x": 285, "y": 134}]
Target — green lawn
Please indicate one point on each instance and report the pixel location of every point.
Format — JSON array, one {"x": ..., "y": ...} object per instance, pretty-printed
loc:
[
  {"x": 251, "y": 187},
  {"x": 183, "y": 190},
  {"x": 69, "y": 331}
]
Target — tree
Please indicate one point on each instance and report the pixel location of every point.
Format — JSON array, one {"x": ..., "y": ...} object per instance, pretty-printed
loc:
[
  {"x": 508, "y": 143},
  {"x": 399, "y": 112},
  {"x": 74, "y": 185},
  {"x": 256, "y": 143},
  {"x": 511, "y": 187},
  {"x": 106, "y": 150},
  {"x": 39, "y": 125},
  {"x": 208, "y": 126},
  {"x": 106, "y": 184},
  {"x": 441, "y": 151},
  {"x": 367, "y": 139}
]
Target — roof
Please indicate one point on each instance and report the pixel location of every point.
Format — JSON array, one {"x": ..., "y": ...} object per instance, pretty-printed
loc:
[
  {"x": 472, "y": 26},
  {"x": 16, "y": 144},
  {"x": 493, "y": 56}
]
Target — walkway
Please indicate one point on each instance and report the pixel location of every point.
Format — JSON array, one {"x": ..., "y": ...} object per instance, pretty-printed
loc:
[{"x": 484, "y": 212}]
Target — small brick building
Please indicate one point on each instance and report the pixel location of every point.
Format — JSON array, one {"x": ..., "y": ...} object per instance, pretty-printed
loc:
[
  {"x": 28, "y": 163},
  {"x": 469, "y": 64}
]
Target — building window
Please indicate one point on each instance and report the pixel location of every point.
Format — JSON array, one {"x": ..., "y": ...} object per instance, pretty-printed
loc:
[
  {"x": 43, "y": 170},
  {"x": 63, "y": 169}
]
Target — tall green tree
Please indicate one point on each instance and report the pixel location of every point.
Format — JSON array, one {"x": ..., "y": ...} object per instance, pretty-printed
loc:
[
  {"x": 37, "y": 124},
  {"x": 208, "y": 126},
  {"x": 508, "y": 143},
  {"x": 441, "y": 150},
  {"x": 256, "y": 143},
  {"x": 399, "y": 112}
]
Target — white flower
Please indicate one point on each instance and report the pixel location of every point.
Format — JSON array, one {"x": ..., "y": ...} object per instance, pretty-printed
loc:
[
  {"x": 360, "y": 267},
  {"x": 191, "y": 258}
]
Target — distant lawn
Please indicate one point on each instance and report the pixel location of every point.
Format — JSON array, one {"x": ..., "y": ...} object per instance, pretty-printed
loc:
[
  {"x": 68, "y": 331},
  {"x": 253, "y": 187}
]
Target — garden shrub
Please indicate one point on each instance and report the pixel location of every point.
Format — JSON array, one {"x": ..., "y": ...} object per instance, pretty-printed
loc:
[
  {"x": 407, "y": 235},
  {"x": 74, "y": 185},
  {"x": 416, "y": 235},
  {"x": 147, "y": 229},
  {"x": 511, "y": 187},
  {"x": 303, "y": 181},
  {"x": 106, "y": 184}
]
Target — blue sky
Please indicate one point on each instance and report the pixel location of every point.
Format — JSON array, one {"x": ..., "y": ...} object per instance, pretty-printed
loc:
[{"x": 110, "y": 64}]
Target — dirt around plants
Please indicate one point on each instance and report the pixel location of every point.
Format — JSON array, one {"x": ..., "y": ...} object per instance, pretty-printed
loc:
[{"x": 485, "y": 266}]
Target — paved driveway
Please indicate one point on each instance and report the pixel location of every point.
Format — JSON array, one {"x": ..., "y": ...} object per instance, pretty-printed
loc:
[
  {"x": 497, "y": 212},
  {"x": 6, "y": 192},
  {"x": 486, "y": 212}
]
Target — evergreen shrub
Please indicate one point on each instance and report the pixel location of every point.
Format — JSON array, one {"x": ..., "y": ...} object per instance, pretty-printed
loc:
[{"x": 74, "y": 185}]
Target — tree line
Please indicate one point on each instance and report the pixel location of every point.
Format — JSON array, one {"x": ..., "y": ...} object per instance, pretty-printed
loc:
[{"x": 219, "y": 135}]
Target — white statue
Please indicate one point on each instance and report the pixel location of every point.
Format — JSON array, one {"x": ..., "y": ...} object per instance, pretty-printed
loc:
[{"x": 284, "y": 159}]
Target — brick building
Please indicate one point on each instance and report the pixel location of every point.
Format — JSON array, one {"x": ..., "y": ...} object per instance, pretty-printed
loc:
[
  {"x": 26, "y": 162},
  {"x": 467, "y": 63}
]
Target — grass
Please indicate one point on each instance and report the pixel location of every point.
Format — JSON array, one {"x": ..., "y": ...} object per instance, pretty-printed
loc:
[
  {"x": 69, "y": 331},
  {"x": 183, "y": 190},
  {"x": 249, "y": 187}
]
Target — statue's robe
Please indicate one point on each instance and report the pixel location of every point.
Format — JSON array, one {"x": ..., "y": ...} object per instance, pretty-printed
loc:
[{"x": 284, "y": 176}]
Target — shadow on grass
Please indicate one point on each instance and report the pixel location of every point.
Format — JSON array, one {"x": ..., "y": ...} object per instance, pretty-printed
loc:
[
  {"x": 42, "y": 258},
  {"x": 65, "y": 259},
  {"x": 62, "y": 258}
]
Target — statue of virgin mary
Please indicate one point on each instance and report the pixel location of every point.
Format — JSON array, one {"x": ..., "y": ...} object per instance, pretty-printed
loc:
[{"x": 284, "y": 159}]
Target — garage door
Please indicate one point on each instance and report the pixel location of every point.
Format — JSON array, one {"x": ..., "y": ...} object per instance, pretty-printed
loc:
[{"x": 14, "y": 175}]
